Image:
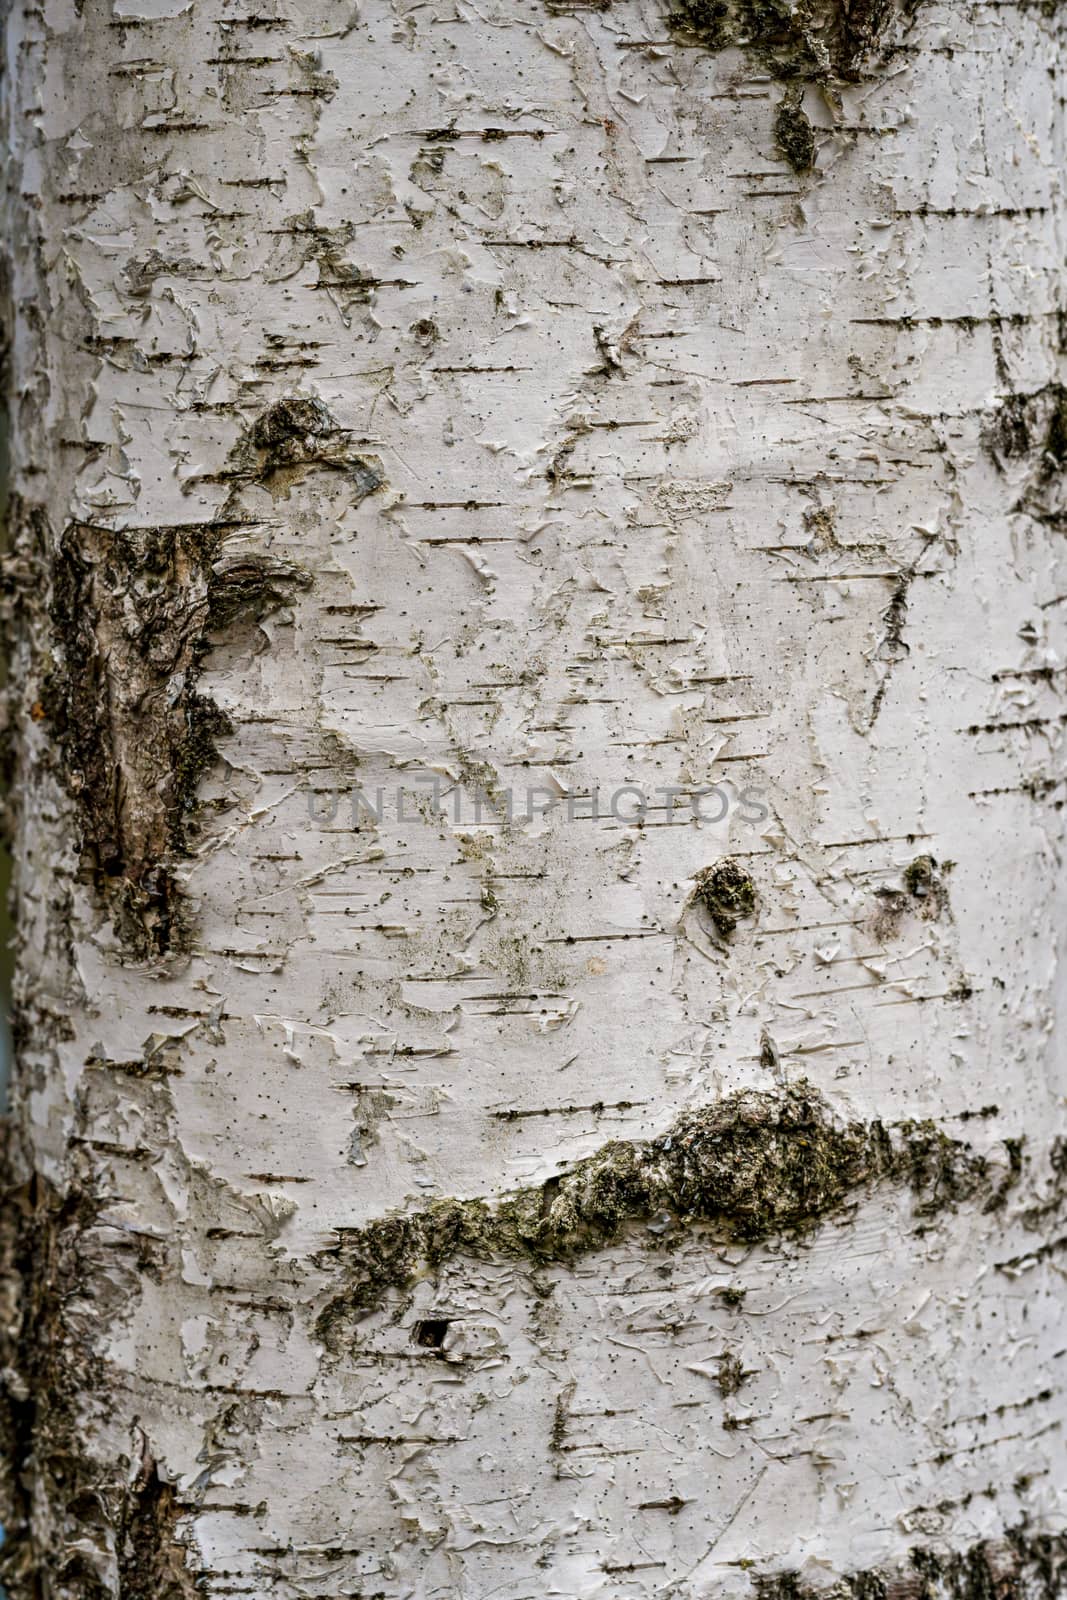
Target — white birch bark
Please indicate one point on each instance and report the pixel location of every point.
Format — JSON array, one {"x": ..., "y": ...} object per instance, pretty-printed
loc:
[{"x": 479, "y": 391}]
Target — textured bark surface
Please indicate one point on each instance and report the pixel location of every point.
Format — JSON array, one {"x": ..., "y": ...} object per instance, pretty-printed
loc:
[{"x": 604, "y": 1194}]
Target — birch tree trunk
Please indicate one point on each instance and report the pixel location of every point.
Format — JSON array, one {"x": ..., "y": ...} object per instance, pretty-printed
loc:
[{"x": 536, "y": 601}]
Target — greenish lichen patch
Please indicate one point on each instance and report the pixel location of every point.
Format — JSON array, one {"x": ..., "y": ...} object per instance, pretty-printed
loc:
[
  {"x": 923, "y": 894},
  {"x": 755, "y": 1165},
  {"x": 815, "y": 40},
  {"x": 731, "y": 1374},
  {"x": 133, "y": 612},
  {"x": 732, "y": 1297},
  {"x": 793, "y": 131},
  {"x": 727, "y": 894},
  {"x": 1022, "y": 1565},
  {"x": 922, "y": 881}
]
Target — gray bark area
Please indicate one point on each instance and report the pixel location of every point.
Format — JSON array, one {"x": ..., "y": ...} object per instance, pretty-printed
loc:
[{"x": 624, "y": 1195}]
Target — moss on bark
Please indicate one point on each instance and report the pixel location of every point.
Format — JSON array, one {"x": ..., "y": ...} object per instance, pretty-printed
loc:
[{"x": 755, "y": 1165}]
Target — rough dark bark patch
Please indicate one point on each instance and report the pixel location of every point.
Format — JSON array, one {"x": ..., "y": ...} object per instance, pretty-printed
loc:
[
  {"x": 1022, "y": 1566},
  {"x": 1023, "y": 424},
  {"x": 816, "y": 40},
  {"x": 794, "y": 133},
  {"x": 1032, "y": 428},
  {"x": 755, "y": 1165},
  {"x": 152, "y": 1562},
  {"x": 132, "y": 611},
  {"x": 26, "y": 535},
  {"x": 298, "y": 432},
  {"x": 825, "y": 42},
  {"x": 35, "y": 1274},
  {"x": 68, "y": 1519}
]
